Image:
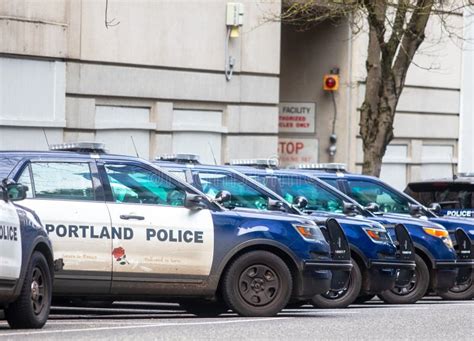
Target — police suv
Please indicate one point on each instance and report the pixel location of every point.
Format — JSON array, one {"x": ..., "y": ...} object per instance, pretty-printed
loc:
[
  {"x": 122, "y": 228},
  {"x": 26, "y": 262},
  {"x": 438, "y": 266},
  {"x": 389, "y": 203},
  {"x": 378, "y": 265}
]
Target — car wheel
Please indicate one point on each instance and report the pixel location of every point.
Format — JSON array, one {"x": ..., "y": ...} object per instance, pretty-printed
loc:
[
  {"x": 459, "y": 292},
  {"x": 341, "y": 298},
  {"x": 363, "y": 298},
  {"x": 258, "y": 283},
  {"x": 203, "y": 308},
  {"x": 31, "y": 309},
  {"x": 412, "y": 292}
]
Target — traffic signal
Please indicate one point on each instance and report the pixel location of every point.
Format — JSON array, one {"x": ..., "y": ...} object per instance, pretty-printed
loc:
[{"x": 331, "y": 82}]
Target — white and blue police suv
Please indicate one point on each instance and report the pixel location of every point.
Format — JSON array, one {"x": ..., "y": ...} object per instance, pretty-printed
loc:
[
  {"x": 26, "y": 262},
  {"x": 122, "y": 228}
]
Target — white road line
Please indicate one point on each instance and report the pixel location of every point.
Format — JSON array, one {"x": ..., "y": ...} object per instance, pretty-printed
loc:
[{"x": 40, "y": 332}]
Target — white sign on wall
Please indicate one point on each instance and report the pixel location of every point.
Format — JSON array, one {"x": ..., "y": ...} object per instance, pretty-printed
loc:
[
  {"x": 293, "y": 151},
  {"x": 296, "y": 117}
]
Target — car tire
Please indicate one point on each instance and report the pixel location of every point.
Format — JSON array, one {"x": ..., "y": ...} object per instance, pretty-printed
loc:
[
  {"x": 460, "y": 292},
  {"x": 341, "y": 299},
  {"x": 202, "y": 308},
  {"x": 257, "y": 283},
  {"x": 31, "y": 309},
  {"x": 364, "y": 298},
  {"x": 416, "y": 289}
]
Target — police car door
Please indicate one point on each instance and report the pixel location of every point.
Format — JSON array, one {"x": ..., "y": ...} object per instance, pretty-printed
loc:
[
  {"x": 10, "y": 242},
  {"x": 168, "y": 243},
  {"x": 69, "y": 201}
]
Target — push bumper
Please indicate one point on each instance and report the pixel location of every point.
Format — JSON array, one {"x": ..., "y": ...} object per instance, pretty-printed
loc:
[
  {"x": 319, "y": 276},
  {"x": 455, "y": 272},
  {"x": 450, "y": 273},
  {"x": 384, "y": 275}
]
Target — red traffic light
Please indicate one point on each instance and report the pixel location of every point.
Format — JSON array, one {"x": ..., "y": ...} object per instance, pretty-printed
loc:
[{"x": 331, "y": 82}]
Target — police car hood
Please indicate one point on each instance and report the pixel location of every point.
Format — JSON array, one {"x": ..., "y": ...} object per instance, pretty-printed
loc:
[
  {"x": 451, "y": 224},
  {"x": 273, "y": 215},
  {"x": 343, "y": 219},
  {"x": 397, "y": 218}
]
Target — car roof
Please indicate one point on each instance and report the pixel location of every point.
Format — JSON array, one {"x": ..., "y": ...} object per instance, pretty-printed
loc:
[
  {"x": 65, "y": 154},
  {"x": 334, "y": 175}
]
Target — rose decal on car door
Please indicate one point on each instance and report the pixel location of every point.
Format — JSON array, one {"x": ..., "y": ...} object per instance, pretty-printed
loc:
[{"x": 120, "y": 256}]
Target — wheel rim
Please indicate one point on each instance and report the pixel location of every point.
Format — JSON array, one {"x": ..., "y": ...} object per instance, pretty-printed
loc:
[
  {"x": 409, "y": 288},
  {"x": 38, "y": 290},
  {"x": 336, "y": 294},
  {"x": 259, "y": 285},
  {"x": 457, "y": 289}
]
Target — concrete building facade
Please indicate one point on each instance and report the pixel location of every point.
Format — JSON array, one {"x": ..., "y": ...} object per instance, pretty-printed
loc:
[{"x": 154, "y": 83}]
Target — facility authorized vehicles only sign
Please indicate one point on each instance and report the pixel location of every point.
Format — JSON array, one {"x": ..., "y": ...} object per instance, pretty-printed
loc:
[{"x": 296, "y": 117}]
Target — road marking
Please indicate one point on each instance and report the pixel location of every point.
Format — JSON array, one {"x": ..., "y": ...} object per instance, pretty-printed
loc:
[{"x": 141, "y": 326}]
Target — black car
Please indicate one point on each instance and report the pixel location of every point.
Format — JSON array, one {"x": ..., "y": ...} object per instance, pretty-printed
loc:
[{"x": 447, "y": 197}]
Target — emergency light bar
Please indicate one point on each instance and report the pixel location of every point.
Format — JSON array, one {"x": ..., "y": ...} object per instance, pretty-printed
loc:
[
  {"x": 341, "y": 167},
  {"x": 180, "y": 158},
  {"x": 264, "y": 163},
  {"x": 82, "y": 147}
]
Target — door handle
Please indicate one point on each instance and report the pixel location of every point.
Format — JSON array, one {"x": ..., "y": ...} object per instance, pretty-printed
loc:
[{"x": 131, "y": 216}]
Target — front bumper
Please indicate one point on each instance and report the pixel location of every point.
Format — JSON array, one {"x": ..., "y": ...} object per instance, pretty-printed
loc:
[
  {"x": 448, "y": 273},
  {"x": 319, "y": 276},
  {"x": 383, "y": 275}
]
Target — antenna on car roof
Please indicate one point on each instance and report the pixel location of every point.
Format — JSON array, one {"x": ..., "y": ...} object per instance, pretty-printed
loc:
[
  {"x": 46, "y": 138},
  {"x": 212, "y": 152},
  {"x": 134, "y": 146}
]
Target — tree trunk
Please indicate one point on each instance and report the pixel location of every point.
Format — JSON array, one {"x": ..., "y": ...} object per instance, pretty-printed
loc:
[{"x": 387, "y": 65}]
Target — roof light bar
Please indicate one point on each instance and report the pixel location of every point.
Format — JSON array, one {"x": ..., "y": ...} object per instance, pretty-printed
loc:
[
  {"x": 184, "y": 158},
  {"x": 255, "y": 162},
  {"x": 84, "y": 147},
  {"x": 323, "y": 166}
]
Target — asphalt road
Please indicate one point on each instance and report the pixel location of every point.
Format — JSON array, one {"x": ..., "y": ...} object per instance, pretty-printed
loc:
[{"x": 429, "y": 319}]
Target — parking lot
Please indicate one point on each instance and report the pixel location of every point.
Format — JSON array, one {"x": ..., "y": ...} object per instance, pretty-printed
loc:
[{"x": 431, "y": 318}]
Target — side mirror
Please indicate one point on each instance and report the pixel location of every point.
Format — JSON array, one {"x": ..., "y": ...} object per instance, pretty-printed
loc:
[
  {"x": 349, "y": 208},
  {"x": 300, "y": 202},
  {"x": 223, "y": 197},
  {"x": 435, "y": 208},
  {"x": 415, "y": 210},
  {"x": 275, "y": 205},
  {"x": 372, "y": 207},
  {"x": 194, "y": 201},
  {"x": 14, "y": 191}
]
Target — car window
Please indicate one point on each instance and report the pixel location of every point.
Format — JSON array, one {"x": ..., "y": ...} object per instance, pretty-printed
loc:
[
  {"x": 60, "y": 180},
  {"x": 448, "y": 195},
  {"x": 242, "y": 194},
  {"x": 319, "y": 198},
  {"x": 331, "y": 182},
  {"x": 7, "y": 164},
  {"x": 134, "y": 184},
  {"x": 181, "y": 174},
  {"x": 366, "y": 192},
  {"x": 25, "y": 179}
]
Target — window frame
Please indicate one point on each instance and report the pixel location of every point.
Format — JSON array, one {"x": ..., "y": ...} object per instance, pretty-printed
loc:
[
  {"x": 96, "y": 184},
  {"x": 108, "y": 194}
]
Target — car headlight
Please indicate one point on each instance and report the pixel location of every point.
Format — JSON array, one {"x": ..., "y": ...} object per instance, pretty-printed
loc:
[
  {"x": 378, "y": 235},
  {"x": 440, "y": 233},
  {"x": 310, "y": 232}
]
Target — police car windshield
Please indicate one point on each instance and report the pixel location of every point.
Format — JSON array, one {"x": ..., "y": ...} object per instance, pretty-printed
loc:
[
  {"x": 388, "y": 200},
  {"x": 243, "y": 194},
  {"x": 319, "y": 198}
]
